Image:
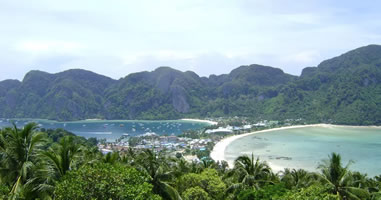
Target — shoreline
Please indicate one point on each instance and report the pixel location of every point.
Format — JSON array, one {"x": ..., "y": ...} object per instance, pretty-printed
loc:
[
  {"x": 200, "y": 120},
  {"x": 218, "y": 152},
  {"x": 113, "y": 120}
]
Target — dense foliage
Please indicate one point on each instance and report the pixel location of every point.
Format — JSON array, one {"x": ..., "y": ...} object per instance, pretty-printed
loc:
[
  {"x": 32, "y": 166},
  {"x": 104, "y": 181},
  {"x": 342, "y": 90}
]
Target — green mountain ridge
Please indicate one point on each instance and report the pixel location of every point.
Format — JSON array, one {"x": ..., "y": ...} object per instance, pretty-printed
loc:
[{"x": 343, "y": 90}]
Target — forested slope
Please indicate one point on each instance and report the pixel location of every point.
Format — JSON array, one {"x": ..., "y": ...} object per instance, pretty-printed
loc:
[{"x": 345, "y": 90}]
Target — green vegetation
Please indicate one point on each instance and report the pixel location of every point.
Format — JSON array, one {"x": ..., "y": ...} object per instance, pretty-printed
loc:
[
  {"x": 207, "y": 184},
  {"x": 312, "y": 193},
  {"x": 342, "y": 90},
  {"x": 32, "y": 166},
  {"x": 104, "y": 181}
]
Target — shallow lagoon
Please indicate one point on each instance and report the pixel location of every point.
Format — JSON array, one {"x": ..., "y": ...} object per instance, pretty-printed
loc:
[
  {"x": 112, "y": 129},
  {"x": 306, "y": 147}
]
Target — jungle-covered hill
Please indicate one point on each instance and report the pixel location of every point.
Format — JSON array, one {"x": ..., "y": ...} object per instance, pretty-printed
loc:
[{"x": 343, "y": 90}]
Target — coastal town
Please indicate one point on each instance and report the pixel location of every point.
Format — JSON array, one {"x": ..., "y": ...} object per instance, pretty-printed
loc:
[{"x": 193, "y": 145}]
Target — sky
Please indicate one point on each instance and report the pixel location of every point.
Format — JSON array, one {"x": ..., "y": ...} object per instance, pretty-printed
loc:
[{"x": 118, "y": 37}]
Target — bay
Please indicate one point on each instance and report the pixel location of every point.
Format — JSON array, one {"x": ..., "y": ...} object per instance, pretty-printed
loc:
[
  {"x": 112, "y": 129},
  {"x": 307, "y": 147}
]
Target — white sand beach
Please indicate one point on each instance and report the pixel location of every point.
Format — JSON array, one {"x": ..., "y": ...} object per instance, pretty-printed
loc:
[
  {"x": 200, "y": 120},
  {"x": 218, "y": 153}
]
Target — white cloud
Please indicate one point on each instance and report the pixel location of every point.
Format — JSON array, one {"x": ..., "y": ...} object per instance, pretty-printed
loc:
[
  {"x": 161, "y": 55},
  {"x": 205, "y": 36},
  {"x": 41, "y": 46},
  {"x": 303, "y": 57}
]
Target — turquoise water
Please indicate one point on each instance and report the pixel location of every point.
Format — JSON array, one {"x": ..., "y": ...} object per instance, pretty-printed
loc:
[
  {"x": 112, "y": 129},
  {"x": 307, "y": 147}
]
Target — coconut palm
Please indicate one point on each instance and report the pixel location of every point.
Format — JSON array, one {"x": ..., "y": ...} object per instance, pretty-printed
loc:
[
  {"x": 196, "y": 167},
  {"x": 250, "y": 173},
  {"x": 298, "y": 178},
  {"x": 157, "y": 168},
  {"x": 180, "y": 167},
  {"x": 41, "y": 183},
  {"x": 111, "y": 158},
  {"x": 222, "y": 167},
  {"x": 129, "y": 157},
  {"x": 90, "y": 155},
  {"x": 340, "y": 179},
  {"x": 62, "y": 155},
  {"x": 375, "y": 187},
  {"x": 207, "y": 163},
  {"x": 19, "y": 150}
]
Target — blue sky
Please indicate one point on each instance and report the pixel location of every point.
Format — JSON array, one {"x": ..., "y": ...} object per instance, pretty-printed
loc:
[{"x": 118, "y": 37}]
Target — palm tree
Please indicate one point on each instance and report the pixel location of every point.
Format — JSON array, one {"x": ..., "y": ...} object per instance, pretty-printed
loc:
[
  {"x": 340, "y": 179},
  {"x": 206, "y": 163},
  {"x": 19, "y": 150},
  {"x": 180, "y": 167},
  {"x": 298, "y": 178},
  {"x": 375, "y": 187},
  {"x": 111, "y": 157},
  {"x": 90, "y": 155},
  {"x": 251, "y": 173},
  {"x": 62, "y": 155},
  {"x": 196, "y": 167},
  {"x": 222, "y": 167},
  {"x": 42, "y": 181},
  {"x": 156, "y": 167},
  {"x": 129, "y": 157}
]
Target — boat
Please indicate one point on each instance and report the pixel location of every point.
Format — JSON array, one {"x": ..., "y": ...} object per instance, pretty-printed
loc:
[
  {"x": 121, "y": 125},
  {"x": 126, "y": 134}
]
